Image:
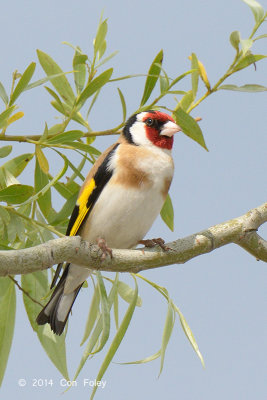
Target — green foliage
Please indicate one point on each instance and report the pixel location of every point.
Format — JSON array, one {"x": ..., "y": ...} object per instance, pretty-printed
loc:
[
  {"x": 167, "y": 213},
  {"x": 27, "y": 212},
  {"x": 7, "y": 321},
  {"x": 36, "y": 285}
]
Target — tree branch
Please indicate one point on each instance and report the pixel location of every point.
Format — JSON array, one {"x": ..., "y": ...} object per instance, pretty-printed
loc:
[{"x": 241, "y": 231}]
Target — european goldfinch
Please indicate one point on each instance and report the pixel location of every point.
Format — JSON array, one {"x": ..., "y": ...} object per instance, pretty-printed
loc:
[{"x": 118, "y": 201}]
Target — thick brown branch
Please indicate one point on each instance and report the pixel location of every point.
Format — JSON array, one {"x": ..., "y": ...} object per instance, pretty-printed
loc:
[{"x": 241, "y": 230}]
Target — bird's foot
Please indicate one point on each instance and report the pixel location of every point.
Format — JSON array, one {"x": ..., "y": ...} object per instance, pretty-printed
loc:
[
  {"x": 154, "y": 242},
  {"x": 104, "y": 249}
]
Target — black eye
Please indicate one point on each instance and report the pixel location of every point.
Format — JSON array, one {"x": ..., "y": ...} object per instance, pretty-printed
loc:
[{"x": 150, "y": 122}]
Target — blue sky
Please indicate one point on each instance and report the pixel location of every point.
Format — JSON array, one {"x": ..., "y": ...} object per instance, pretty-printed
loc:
[{"x": 221, "y": 294}]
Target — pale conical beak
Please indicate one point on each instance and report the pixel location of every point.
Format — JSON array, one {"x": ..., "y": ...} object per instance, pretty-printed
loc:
[{"x": 169, "y": 129}]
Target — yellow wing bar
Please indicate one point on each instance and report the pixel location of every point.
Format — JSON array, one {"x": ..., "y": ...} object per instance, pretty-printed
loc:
[{"x": 82, "y": 204}]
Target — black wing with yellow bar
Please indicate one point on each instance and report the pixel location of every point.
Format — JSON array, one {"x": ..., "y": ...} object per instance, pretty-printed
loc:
[
  {"x": 89, "y": 195},
  {"x": 86, "y": 201}
]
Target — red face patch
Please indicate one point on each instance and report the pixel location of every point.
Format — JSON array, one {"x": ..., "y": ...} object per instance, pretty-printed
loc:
[{"x": 154, "y": 121}]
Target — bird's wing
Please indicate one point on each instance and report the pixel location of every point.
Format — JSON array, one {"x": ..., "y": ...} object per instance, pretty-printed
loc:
[{"x": 93, "y": 185}]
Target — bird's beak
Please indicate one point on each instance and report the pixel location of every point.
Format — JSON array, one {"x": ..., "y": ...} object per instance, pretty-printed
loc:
[{"x": 170, "y": 128}]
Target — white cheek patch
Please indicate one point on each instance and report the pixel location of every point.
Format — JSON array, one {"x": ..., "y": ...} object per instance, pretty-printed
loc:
[{"x": 138, "y": 133}]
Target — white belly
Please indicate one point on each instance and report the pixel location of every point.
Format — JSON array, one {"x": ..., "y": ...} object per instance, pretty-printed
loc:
[{"x": 122, "y": 216}]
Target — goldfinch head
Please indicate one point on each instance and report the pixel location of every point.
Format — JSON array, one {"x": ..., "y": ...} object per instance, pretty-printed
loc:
[{"x": 151, "y": 128}]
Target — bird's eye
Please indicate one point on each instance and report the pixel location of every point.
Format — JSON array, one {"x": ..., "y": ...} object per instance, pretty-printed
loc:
[{"x": 149, "y": 122}]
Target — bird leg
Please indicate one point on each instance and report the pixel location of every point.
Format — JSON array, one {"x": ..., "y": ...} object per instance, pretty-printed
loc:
[
  {"x": 153, "y": 242},
  {"x": 104, "y": 249}
]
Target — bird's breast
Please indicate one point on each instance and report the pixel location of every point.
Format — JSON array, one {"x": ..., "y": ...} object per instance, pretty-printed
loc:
[{"x": 131, "y": 200}]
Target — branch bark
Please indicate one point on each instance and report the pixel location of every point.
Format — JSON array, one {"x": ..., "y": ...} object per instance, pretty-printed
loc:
[{"x": 241, "y": 231}]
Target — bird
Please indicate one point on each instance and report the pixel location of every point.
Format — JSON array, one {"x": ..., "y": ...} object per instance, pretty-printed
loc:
[{"x": 118, "y": 202}]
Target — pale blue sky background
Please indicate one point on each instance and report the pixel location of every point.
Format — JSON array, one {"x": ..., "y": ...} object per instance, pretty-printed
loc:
[{"x": 221, "y": 294}]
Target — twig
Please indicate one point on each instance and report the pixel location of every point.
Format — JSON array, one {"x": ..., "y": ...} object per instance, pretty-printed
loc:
[{"x": 24, "y": 291}]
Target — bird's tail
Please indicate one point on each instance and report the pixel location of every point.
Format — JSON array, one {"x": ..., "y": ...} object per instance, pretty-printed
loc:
[{"x": 57, "y": 310}]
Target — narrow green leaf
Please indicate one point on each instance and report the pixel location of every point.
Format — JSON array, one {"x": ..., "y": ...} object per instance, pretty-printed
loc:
[
  {"x": 100, "y": 35},
  {"x": 188, "y": 333},
  {"x": 92, "y": 316},
  {"x": 144, "y": 360},
  {"x": 256, "y": 8},
  {"x": 123, "y": 104},
  {"x": 37, "y": 286},
  {"x": 97, "y": 330},
  {"x": 66, "y": 137},
  {"x": 167, "y": 213},
  {"x": 60, "y": 83},
  {"x": 92, "y": 103},
  {"x": 116, "y": 310},
  {"x": 121, "y": 78},
  {"x": 64, "y": 189},
  {"x": 83, "y": 147},
  {"x": 16, "y": 229},
  {"x": 235, "y": 39},
  {"x": 94, "y": 85},
  {"x": 66, "y": 210},
  {"x": 40, "y": 181},
  {"x": 55, "y": 129},
  {"x": 16, "y": 165},
  {"x": 44, "y": 231},
  {"x": 164, "y": 81},
  {"x": 5, "y": 151},
  {"x": 44, "y": 80},
  {"x": 15, "y": 117},
  {"x": 127, "y": 293},
  {"x": 67, "y": 111},
  {"x": 57, "y": 98},
  {"x": 45, "y": 134},
  {"x": 79, "y": 66},
  {"x": 260, "y": 37},
  {"x": 195, "y": 74},
  {"x": 168, "y": 327},
  {"x": 23, "y": 82},
  {"x": 106, "y": 59},
  {"x": 118, "y": 337},
  {"x": 5, "y": 115},
  {"x": 8, "y": 178},
  {"x": 152, "y": 77},
  {"x": 4, "y": 215},
  {"x": 41, "y": 192},
  {"x": 190, "y": 127},
  {"x": 55, "y": 348},
  {"x": 248, "y": 60},
  {"x": 3, "y": 94},
  {"x": 16, "y": 194},
  {"x": 176, "y": 92},
  {"x": 102, "y": 50},
  {"x": 186, "y": 101},
  {"x": 180, "y": 77},
  {"x": 244, "y": 88},
  {"x": 246, "y": 45},
  {"x": 7, "y": 321},
  {"x": 183, "y": 322},
  {"x": 163, "y": 291},
  {"x": 42, "y": 159},
  {"x": 76, "y": 172},
  {"x": 80, "y": 58},
  {"x": 104, "y": 313}
]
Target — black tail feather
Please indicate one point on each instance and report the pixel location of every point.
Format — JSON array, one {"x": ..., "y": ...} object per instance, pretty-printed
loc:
[{"x": 51, "y": 312}]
